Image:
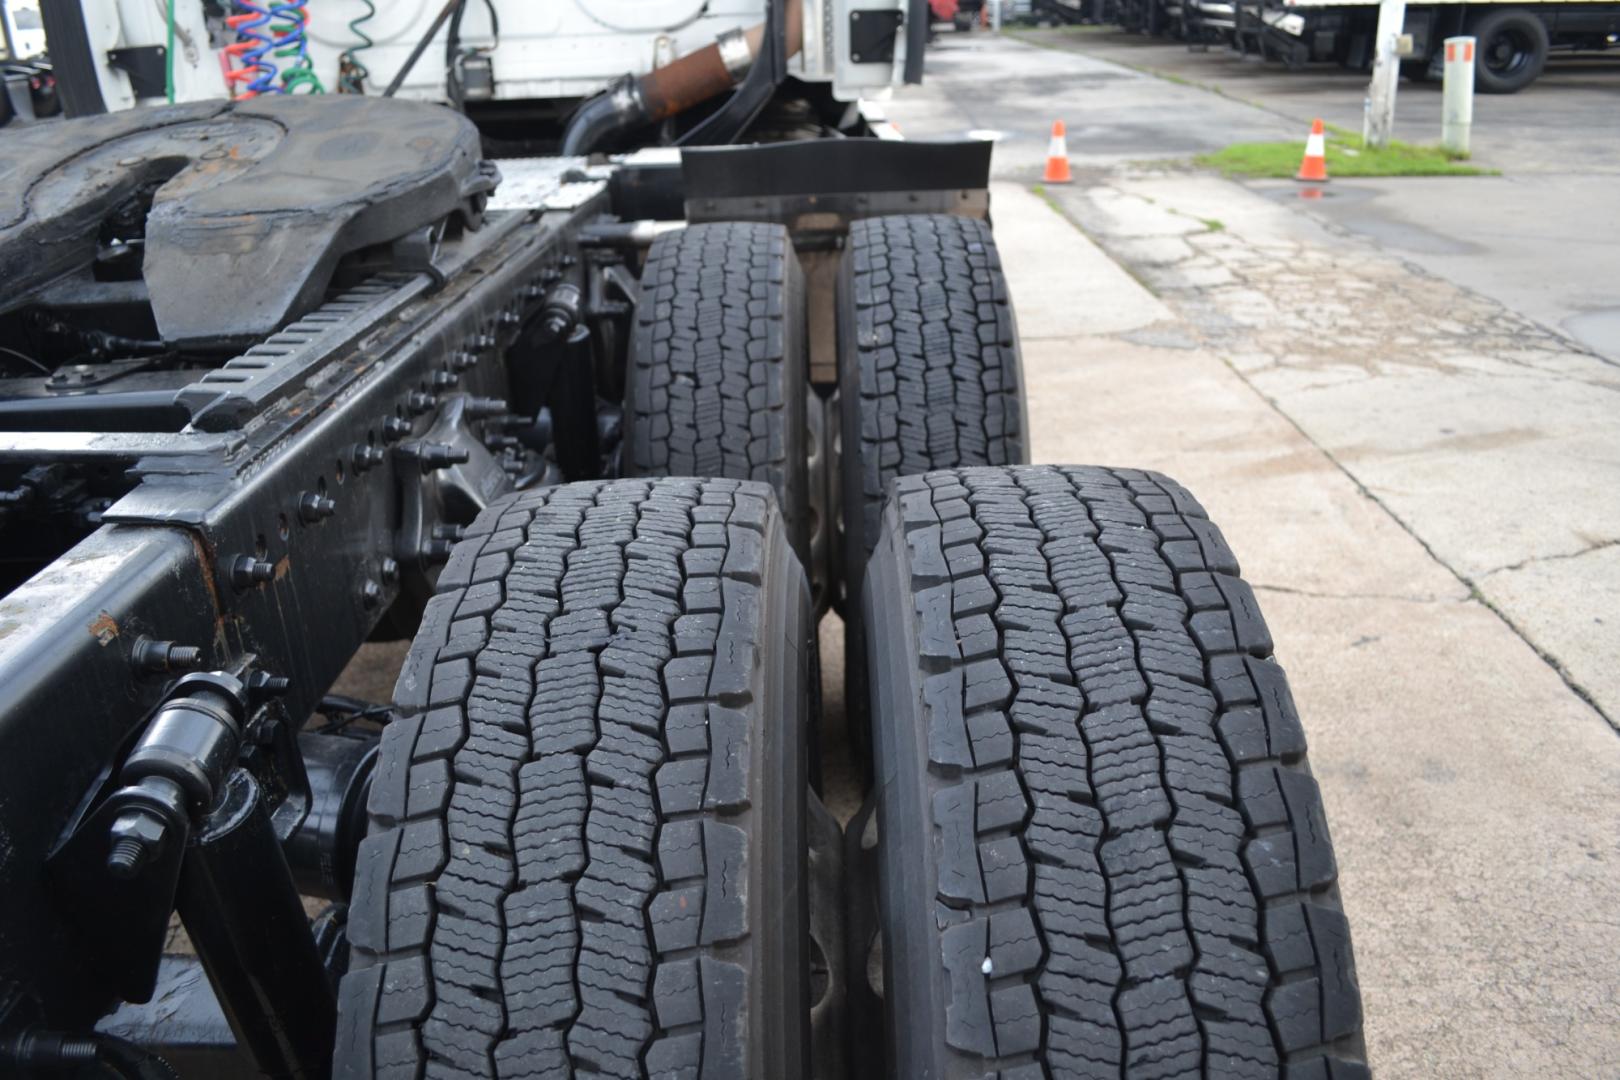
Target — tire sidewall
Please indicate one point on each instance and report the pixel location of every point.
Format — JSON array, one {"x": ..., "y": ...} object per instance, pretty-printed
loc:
[{"x": 914, "y": 994}]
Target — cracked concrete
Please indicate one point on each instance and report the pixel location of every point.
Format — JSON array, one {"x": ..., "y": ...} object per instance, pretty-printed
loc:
[{"x": 1596, "y": 545}]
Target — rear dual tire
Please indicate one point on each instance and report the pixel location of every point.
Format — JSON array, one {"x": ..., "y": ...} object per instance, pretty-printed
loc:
[
  {"x": 716, "y": 382},
  {"x": 587, "y": 845},
  {"x": 1102, "y": 851},
  {"x": 930, "y": 377}
]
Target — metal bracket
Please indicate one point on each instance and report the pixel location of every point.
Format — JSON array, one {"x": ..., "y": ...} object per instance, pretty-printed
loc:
[
  {"x": 146, "y": 66},
  {"x": 872, "y": 34}
]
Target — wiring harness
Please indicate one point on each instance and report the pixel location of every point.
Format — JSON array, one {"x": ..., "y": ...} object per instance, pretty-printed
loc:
[{"x": 266, "y": 33}]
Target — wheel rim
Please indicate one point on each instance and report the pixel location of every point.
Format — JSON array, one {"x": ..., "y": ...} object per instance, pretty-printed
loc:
[{"x": 1509, "y": 51}]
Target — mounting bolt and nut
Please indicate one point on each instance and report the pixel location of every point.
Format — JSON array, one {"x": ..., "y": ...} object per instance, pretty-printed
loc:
[
  {"x": 453, "y": 533},
  {"x": 419, "y": 402},
  {"x": 365, "y": 456},
  {"x": 445, "y": 379},
  {"x": 247, "y": 571},
  {"x": 137, "y": 837},
  {"x": 389, "y": 569},
  {"x": 462, "y": 361},
  {"x": 371, "y": 593},
  {"x": 313, "y": 506},
  {"x": 437, "y": 551},
  {"x": 395, "y": 427},
  {"x": 431, "y": 456},
  {"x": 477, "y": 408},
  {"x": 160, "y": 656},
  {"x": 267, "y": 685}
]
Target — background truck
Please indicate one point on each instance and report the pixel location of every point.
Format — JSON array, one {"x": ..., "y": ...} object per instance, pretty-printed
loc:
[
  {"x": 603, "y": 435},
  {"x": 1514, "y": 38}
]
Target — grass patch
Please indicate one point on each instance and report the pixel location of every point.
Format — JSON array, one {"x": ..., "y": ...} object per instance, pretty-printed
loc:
[
  {"x": 1040, "y": 192},
  {"x": 1347, "y": 155}
]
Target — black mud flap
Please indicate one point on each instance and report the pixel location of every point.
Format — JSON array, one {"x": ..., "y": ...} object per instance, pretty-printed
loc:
[{"x": 822, "y": 184}]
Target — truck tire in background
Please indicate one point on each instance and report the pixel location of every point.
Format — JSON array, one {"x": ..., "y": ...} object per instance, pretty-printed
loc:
[
  {"x": 1102, "y": 851},
  {"x": 929, "y": 378},
  {"x": 717, "y": 384},
  {"x": 1511, "y": 50},
  {"x": 587, "y": 845}
]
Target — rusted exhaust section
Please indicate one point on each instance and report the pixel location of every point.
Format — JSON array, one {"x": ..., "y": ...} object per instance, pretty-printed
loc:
[{"x": 675, "y": 87}]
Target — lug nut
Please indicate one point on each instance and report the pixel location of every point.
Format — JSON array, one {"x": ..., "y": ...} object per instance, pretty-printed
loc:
[
  {"x": 365, "y": 456},
  {"x": 432, "y": 456},
  {"x": 462, "y": 361},
  {"x": 419, "y": 403},
  {"x": 313, "y": 507},
  {"x": 437, "y": 551},
  {"x": 246, "y": 571},
  {"x": 371, "y": 593},
  {"x": 509, "y": 318},
  {"x": 395, "y": 427},
  {"x": 445, "y": 379},
  {"x": 390, "y": 570},
  {"x": 453, "y": 533},
  {"x": 160, "y": 656},
  {"x": 500, "y": 442}
]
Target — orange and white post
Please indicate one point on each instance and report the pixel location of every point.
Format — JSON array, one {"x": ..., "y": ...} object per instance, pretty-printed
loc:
[
  {"x": 1457, "y": 109},
  {"x": 1057, "y": 157}
]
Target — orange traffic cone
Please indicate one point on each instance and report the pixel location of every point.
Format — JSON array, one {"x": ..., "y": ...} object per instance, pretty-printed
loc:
[
  {"x": 1314, "y": 166},
  {"x": 1057, "y": 157}
]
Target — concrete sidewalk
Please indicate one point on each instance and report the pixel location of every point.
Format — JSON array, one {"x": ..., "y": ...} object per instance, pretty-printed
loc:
[{"x": 1471, "y": 793}]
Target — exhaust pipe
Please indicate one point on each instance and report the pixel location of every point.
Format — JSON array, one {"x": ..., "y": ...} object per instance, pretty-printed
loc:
[{"x": 675, "y": 87}]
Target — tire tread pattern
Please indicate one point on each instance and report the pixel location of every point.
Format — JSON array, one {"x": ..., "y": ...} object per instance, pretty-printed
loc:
[
  {"x": 1132, "y": 875},
  {"x": 716, "y": 378},
  {"x": 934, "y": 348},
  {"x": 556, "y": 879}
]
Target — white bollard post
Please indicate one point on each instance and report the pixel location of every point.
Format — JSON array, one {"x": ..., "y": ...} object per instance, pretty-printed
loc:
[
  {"x": 1457, "y": 111},
  {"x": 1386, "y": 72},
  {"x": 995, "y": 16}
]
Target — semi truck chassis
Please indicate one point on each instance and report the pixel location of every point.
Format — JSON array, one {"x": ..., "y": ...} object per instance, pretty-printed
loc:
[{"x": 262, "y": 517}]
